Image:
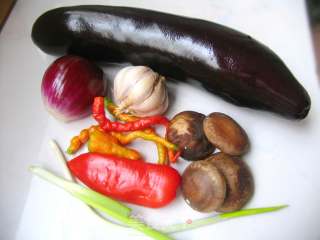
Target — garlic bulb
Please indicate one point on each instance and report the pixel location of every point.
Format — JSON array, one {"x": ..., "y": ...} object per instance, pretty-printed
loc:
[{"x": 140, "y": 91}]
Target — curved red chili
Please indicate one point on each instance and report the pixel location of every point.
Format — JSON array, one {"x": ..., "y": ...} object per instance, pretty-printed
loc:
[
  {"x": 98, "y": 113},
  {"x": 138, "y": 182}
]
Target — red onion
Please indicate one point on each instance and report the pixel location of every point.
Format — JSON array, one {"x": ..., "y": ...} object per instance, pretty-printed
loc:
[{"x": 69, "y": 86}]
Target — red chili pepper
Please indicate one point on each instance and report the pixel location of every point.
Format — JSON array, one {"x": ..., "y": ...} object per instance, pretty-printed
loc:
[
  {"x": 140, "y": 124},
  {"x": 146, "y": 184},
  {"x": 173, "y": 157}
]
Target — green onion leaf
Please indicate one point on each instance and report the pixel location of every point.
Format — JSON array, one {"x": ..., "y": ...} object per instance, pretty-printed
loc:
[
  {"x": 219, "y": 218},
  {"x": 86, "y": 195}
]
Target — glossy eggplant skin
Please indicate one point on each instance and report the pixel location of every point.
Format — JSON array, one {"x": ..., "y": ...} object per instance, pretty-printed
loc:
[{"x": 226, "y": 62}]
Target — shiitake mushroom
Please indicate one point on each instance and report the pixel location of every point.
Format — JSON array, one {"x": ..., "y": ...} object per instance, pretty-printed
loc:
[
  {"x": 225, "y": 134},
  {"x": 203, "y": 186},
  {"x": 186, "y": 131},
  {"x": 219, "y": 183},
  {"x": 238, "y": 179}
]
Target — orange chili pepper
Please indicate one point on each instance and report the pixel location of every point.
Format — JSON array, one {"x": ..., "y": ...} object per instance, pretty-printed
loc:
[
  {"x": 161, "y": 143},
  {"x": 112, "y": 108},
  {"x": 128, "y": 138},
  {"x": 100, "y": 142},
  {"x": 77, "y": 141}
]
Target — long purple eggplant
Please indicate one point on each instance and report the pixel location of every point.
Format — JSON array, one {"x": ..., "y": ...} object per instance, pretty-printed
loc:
[{"x": 226, "y": 62}]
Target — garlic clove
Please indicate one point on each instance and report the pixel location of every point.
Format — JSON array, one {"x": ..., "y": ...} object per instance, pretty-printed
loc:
[
  {"x": 119, "y": 88},
  {"x": 156, "y": 111},
  {"x": 162, "y": 109},
  {"x": 126, "y": 79},
  {"x": 142, "y": 89},
  {"x": 155, "y": 100}
]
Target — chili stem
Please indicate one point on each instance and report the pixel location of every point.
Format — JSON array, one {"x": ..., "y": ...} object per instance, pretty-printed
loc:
[
  {"x": 109, "y": 206},
  {"x": 219, "y": 218}
]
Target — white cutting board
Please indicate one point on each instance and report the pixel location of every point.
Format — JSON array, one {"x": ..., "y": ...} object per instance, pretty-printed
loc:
[{"x": 283, "y": 156}]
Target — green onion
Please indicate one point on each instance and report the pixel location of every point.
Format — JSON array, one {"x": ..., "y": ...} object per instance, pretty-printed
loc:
[
  {"x": 67, "y": 174},
  {"x": 96, "y": 200},
  {"x": 219, "y": 218},
  {"x": 62, "y": 159},
  {"x": 86, "y": 195}
]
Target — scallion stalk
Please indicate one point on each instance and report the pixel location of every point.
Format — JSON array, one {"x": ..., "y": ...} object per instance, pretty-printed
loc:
[
  {"x": 96, "y": 200},
  {"x": 67, "y": 174},
  {"x": 86, "y": 195},
  {"x": 219, "y": 218}
]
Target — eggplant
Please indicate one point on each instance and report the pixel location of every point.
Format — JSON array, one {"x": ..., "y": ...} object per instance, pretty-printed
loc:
[{"x": 226, "y": 62}]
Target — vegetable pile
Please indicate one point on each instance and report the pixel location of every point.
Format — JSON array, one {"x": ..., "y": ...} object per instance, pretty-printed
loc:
[
  {"x": 213, "y": 182},
  {"x": 217, "y": 179}
]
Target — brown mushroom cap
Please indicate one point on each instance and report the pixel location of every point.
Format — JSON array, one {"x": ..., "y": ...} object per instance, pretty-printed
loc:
[
  {"x": 186, "y": 131},
  {"x": 238, "y": 179},
  {"x": 203, "y": 186},
  {"x": 226, "y": 134}
]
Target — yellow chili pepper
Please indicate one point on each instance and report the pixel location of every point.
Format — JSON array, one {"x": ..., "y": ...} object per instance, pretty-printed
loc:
[
  {"x": 162, "y": 154},
  {"x": 75, "y": 144},
  {"x": 128, "y": 138},
  {"x": 105, "y": 143},
  {"x": 162, "y": 151},
  {"x": 77, "y": 141}
]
